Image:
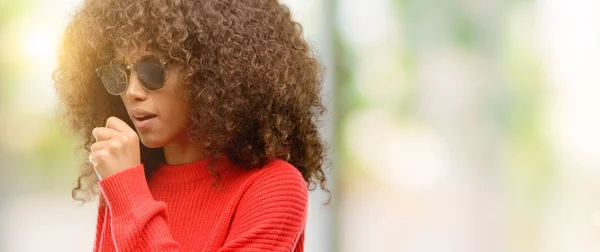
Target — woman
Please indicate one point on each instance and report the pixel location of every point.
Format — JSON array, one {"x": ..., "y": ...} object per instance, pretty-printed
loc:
[{"x": 199, "y": 121}]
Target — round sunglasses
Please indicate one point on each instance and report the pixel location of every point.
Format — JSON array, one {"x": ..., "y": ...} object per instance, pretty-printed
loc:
[{"x": 115, "y": 77}]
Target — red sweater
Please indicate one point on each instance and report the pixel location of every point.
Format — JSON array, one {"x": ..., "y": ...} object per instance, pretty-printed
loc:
[{"x": 181, "y": 208}]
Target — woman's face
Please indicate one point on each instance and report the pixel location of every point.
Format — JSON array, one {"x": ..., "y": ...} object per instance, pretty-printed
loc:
[{"x": 169, "y": 105}]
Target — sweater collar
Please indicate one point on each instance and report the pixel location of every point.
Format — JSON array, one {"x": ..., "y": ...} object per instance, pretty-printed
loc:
[{"x": 189, "y": 172}]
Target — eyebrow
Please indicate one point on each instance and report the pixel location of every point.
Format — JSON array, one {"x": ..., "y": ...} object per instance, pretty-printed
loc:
[
  {"x": 121, "y": 60},
  {"x": 146, "y": 58}
]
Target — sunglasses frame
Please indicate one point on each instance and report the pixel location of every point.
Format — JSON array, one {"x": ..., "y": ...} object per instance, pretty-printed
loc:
[{"x": 129, "y": 67}]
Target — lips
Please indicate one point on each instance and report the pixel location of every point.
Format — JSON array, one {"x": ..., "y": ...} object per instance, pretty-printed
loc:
[
  {"x": 142, "y": 118},
  {"x": 141, "y": 114}
]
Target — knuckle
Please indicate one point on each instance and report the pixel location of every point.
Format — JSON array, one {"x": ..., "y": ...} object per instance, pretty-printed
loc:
[
  {"x": 124, "y": 138},
  {"x": 115, "y": 144},
  {"x": 131, "y": 136},
  {"x": 101, "y": 155},
  {"x": 96, "y": 157}
]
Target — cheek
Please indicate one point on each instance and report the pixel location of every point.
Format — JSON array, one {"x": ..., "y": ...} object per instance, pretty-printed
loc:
[
  {"x": 170, "y": 127},
  {"x": 174, "y": 109},
  {"x": 171, "y": 124},
  {"x": 176, "y": 114}
]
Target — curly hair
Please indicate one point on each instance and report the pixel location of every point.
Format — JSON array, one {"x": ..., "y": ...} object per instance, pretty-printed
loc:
[{"x": 252, "y": 81}]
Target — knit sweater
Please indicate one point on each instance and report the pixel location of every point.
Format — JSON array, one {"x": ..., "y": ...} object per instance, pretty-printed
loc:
[{"x": 182, "y": 208}]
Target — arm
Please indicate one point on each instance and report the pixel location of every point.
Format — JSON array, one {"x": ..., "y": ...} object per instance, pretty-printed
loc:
[
  {"x": 271, "y": 214},
  {"x": 138, "y": 222},
  {"x": 100, "y": 221}
]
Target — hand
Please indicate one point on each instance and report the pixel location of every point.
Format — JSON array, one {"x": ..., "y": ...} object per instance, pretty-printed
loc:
[{"x": 117, "y": 148}]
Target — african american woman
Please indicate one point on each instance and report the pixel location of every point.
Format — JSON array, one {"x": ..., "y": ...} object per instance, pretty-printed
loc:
[{"x": 198, "y": 120}]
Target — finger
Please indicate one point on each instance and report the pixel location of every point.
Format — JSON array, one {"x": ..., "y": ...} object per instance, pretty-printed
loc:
[
  {"x": 94, "y": 166},
  {"x": 119, "y": 125},
  {"x": 113, "y": 145},
  {"x": 91, "y": 161},
  {"x": 99, "y": 145},
  {"x": 96, "y": 157},
  {"x": 103, "y": 133}
]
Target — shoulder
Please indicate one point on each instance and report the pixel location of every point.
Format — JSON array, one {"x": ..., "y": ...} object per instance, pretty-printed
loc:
[
  {"x": 272, "y": 208},
  {"x": 279, "y": 169},
  {"x": 277, "y": 177}
]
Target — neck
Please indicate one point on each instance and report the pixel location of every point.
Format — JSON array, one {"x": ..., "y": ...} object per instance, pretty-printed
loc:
[{"x": 182, "y": 151}]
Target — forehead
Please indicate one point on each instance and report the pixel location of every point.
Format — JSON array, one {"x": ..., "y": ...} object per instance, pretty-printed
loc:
[{"x": 131, "y": 54}]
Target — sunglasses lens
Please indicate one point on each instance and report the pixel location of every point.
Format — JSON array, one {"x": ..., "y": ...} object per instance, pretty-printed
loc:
[
  {"x": 151, "y": 74},
  {"x": 114, "y": 78}
]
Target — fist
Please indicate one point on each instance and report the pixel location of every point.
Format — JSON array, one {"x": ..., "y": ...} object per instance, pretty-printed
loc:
[{"x": 117, "y": 148}]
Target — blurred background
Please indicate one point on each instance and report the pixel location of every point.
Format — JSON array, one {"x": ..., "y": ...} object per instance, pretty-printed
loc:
[{"x": 454, "y": 125}]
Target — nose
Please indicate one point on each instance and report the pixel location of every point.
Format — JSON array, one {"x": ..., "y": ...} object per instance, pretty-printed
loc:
[{"x": 135, "y": 91}]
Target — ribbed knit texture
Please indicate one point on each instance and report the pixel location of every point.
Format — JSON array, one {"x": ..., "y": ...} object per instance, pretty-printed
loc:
[{"x": 181, "y": 208}]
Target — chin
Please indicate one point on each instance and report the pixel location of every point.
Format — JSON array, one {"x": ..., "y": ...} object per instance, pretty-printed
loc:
[{"x": 151, "y": 142}]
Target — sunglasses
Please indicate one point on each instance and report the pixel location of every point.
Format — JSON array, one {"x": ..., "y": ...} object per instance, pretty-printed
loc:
[{"x": 115, "y": 77}]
